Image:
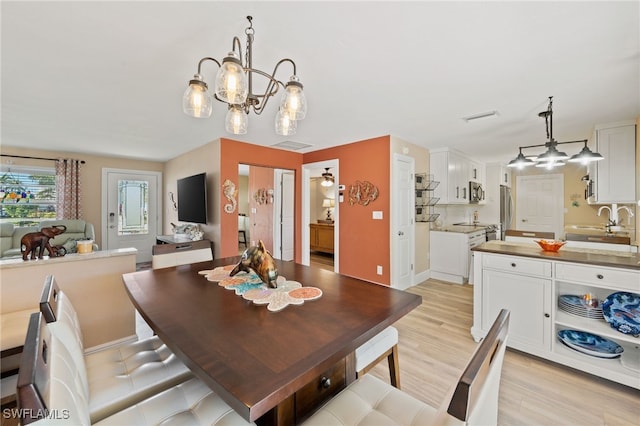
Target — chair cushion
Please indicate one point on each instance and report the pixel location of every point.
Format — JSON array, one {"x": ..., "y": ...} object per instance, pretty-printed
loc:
[
  {"x": 370, "y": 401},
  {"x": 190, "y": 403},
  {"x": 118, "y": 377},
  {"x": 376, "y": 346},
  {"x": 122, "y": 376}
]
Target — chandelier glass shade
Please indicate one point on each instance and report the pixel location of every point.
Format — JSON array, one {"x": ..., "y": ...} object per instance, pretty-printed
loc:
[
  {"x": 552, "y": 157},
  {"x": 234, "y": 85},
  {"x": 236, "y": 121},
  {"x": 285, "y": 126}
]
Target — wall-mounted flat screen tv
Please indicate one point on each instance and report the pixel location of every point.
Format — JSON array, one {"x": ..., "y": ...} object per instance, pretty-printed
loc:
[{"x": 192, "y": 199}]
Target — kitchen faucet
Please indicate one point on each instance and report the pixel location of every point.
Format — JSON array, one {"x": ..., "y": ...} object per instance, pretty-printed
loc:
[
  {"x": 629, "y": 213},
  {"x": 613, "y": 216}
]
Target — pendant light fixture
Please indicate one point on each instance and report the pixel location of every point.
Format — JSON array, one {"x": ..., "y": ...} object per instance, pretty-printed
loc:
[
  {"x": 234, "y": 86},
  {"x": 328, "y": 178},
  {"x": 552, "y": 157}
]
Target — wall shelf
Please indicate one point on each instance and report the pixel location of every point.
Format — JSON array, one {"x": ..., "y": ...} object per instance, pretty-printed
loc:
[{"x": 424, "y": 198}]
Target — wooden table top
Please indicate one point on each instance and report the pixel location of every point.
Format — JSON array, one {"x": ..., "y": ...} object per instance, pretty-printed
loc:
[{"x": 253, "y": 358}]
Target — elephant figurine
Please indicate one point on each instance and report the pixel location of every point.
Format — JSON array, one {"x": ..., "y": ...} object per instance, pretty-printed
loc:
[
  {"x": 40, "y": 240},
  {"x": 258, "y": 259}
]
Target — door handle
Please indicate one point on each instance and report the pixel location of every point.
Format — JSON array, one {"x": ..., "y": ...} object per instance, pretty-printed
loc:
[{"x": 400, "y": 233}]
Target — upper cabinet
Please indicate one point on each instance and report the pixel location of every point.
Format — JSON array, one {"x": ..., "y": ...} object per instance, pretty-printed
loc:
[
  {"x": 454, "y": 171},
  {"x": 614, "y": 177}
]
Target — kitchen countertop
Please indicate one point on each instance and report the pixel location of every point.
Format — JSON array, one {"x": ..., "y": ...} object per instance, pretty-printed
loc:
[
  {"x": 463, "y": 229},
  {"x": 577, "y": 255}
]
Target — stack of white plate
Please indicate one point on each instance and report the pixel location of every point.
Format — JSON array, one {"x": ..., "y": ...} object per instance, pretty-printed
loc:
[{"x": 575, "y": 305}]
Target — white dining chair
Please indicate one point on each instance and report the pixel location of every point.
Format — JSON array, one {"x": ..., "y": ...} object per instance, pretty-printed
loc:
[
  {"x": 474, "y": 400},
  {"x": 382, "y": 345}
]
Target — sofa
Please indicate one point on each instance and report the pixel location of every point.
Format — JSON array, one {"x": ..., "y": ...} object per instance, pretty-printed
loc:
[{"x": 77, "y": 229}]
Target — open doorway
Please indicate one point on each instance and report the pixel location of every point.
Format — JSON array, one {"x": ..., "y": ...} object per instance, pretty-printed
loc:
[
  {"x": 266, "y": 209},
  {"x": 320, "y": 215}
]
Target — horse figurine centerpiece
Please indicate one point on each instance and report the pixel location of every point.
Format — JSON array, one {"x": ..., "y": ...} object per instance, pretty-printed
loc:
[{"x": 259, "y": 260}]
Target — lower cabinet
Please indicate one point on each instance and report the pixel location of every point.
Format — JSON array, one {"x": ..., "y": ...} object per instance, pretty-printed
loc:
[
  {"x": 530, "y": 289},
  {"x": 528, "y": 299},
  {"x": 321, "y": 237}
]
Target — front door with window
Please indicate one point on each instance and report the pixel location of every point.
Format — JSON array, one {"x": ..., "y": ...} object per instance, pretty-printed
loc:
[{"x": 132, "y": 214}]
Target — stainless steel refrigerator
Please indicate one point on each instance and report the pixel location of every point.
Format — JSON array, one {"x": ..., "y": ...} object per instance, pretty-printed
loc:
[{"x": 506, "y": 210}]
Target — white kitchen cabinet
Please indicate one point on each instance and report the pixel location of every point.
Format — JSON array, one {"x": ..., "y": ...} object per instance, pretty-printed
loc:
[
  {"x": 498, "y": 174},
  {"x": 449, "y": 256},
  {"x": 528, "y": 297},
  {"x": 476, "y": 172},
  {"x": 530, "y": 289},
  {"x": 614, "y": 177},
  {"x": 453, "y": 170}
]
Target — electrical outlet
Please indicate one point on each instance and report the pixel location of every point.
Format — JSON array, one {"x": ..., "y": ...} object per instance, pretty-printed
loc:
[
  {"x": 377, "y": 215},
  {"x": 379, "y": 269}
]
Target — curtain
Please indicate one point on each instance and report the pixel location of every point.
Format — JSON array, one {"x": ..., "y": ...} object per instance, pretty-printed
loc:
[{"x": 68, "y": 204}]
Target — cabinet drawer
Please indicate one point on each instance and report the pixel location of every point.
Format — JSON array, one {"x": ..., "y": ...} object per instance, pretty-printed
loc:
[
  {"x": 517, "y": 265},
  {"x": 598, "y": 275},
  {"x": 320, "y": 390}
]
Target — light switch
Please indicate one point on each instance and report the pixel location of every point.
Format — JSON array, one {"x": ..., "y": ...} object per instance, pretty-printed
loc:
[{"x": 377, "y": 215}]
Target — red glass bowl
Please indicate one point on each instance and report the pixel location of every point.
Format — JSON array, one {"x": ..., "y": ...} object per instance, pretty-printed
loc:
[{"x": 550, "y": 245}]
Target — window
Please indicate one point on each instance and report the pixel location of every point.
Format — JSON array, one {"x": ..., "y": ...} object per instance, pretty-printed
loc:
[{"x": 27, "y": 195}]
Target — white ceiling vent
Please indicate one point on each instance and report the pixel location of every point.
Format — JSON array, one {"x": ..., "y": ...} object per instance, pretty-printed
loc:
[
  {"x": 291, "y": 145},
  {"x": 487, "y": 114}
]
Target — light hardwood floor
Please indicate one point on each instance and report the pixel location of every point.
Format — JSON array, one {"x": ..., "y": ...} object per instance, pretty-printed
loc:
[{"x": 435, "y": 344}]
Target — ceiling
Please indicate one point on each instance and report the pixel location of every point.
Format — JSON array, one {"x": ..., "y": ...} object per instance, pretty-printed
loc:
[{"x": 107, "y": 78}]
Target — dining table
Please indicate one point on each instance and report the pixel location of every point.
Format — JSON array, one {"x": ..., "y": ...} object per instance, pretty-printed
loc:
[{"x": 272, "y": 366}]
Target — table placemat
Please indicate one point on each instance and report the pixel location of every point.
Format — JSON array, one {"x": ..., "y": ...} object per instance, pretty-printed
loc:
[{"x": 250, "y": 287}]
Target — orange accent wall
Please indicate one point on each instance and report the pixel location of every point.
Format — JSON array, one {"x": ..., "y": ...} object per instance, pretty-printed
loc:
[
  {"x": 364, "y": 242},
  {"x": 233, "y": 153}
]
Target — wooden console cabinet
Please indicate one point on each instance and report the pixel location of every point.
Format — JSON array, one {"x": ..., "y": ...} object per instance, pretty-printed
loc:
[{"x": 321, "y": 237}]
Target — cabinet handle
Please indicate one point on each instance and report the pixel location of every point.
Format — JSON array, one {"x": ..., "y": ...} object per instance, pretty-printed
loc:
[
  {"x": 325, "y": 382},
  {"x": 505, "y": 178},
  {"x": 547, "y": 315},
  {"x": 457, "y": 192},
  {"x": 600, "y": 276},
  {"x": 464, "y": 193},
  {"x": 513, "y": 265}
]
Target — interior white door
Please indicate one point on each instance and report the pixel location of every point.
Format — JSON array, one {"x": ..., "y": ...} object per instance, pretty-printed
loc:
[
  {"x": 540, "y": 203},
  {"x": 132, "y": 214},
  {"x": 284, "y": 242},
  {"x": 403, "y": 221}
]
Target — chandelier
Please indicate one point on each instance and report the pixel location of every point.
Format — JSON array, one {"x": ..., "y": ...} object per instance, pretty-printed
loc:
[
  {"x": 234, "y": 86},
  {"x": 552, "y": 157}
]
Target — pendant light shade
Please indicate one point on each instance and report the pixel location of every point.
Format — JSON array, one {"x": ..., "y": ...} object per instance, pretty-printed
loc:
[
  {"x": 294, "y": 102},
  {"x": 586, "y": 156},
  {"x": 285, "y": 126},
  {"x": 236, "y": 121},
  {"x": 520, "y": 161},
  {"x": 197, "y": 101},
  {"x": 231, "y": 82},
  {"x": 552, "y": 154}
]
